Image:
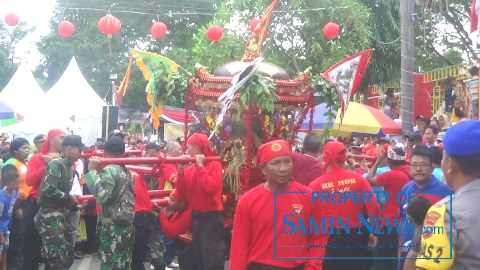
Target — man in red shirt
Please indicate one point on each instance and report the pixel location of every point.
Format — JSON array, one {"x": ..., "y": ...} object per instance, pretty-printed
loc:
[
  {"x": 176, "y": 219},
  {"x": 201, "y": 184},
  {"x": 338, "y": 180},
  {"x": 146, "y": 238},
  {"x": 259, "y": 240},
  {"x": 392, "y": 182},
  {"x": 169, "y": 177},
  {"x": 51, "y": 148},
  {"x": 307, "y": 167}
]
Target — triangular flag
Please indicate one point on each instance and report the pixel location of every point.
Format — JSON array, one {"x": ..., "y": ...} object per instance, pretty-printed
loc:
[{"x": 347, "y": 75}]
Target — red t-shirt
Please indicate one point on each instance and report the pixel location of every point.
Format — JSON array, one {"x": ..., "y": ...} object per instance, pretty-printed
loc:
[
  {"x": 169, "y": 174},
  {"x": 35, "y": 169},
  {"x": 143, "y": 203},
  {"x": 306, "y": 168},
  {"x": 202, "y": 186},
  {"x": 254, "y": 224},
  {"x": 344, "y": 180},
  {"x": 392, "y": 182},
  {"x": 179, "y": 223}
]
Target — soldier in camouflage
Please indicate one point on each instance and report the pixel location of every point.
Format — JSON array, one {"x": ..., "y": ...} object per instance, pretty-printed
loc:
[
  {"x": 116, "y": 238},
  {"x": 54, "y": 201}
]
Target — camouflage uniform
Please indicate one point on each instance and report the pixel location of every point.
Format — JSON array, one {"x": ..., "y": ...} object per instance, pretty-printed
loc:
[
  {"x": 50, "y": 221},
  {"x": 116, "y": 242}
]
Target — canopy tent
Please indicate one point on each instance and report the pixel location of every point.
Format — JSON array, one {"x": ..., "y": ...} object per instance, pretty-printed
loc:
[
  {"x": 359, "y": 120},
  {"x": 74, "y": 97},
  {"x": 176, "y": 116},
  {"x": 23, "y": 94},
  {"x": 40, "y": 124}
]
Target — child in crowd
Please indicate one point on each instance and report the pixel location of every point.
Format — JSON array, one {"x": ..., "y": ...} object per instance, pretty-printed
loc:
[
  {"x": 416, "y": 212},
  {"x": 8, "y": 204}
]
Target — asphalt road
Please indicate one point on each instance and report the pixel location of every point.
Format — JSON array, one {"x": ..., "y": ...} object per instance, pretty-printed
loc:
[{"x": 90, "y": 262}]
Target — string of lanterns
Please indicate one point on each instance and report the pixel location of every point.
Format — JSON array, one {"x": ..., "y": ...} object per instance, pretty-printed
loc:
[{"x": 110, "y": 25}]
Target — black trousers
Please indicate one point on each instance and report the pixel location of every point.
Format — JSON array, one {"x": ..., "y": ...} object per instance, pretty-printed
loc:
[
  {"x": 92, "y": 244},
  {"x": 33, "y": 242},
  {"x": 390, "y": 240},
  {"x": 208, "y": 240},
  {"x": 344, "y": 239},
  {"x": 15, "y": 250},
  {"x": 186, "y": 258},
  {"x": 144, "y": 227}
]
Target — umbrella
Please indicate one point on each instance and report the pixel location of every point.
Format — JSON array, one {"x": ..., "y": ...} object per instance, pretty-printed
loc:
[
  {"x": 6, "y": 112},
  {"x": 359, "y": 120}
]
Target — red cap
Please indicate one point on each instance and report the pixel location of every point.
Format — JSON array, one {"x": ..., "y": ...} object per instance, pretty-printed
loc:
[
  {"x": 334, "y": 151},
  {"x": 271, "y": 150},
  {"x": 201, "y": 140},
  {"x": 52, "y": 133}
]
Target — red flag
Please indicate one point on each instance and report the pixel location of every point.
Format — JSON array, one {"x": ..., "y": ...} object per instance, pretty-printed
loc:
[
  {"x": 262, "y": 34},
  {"x": 474, "y": 23},
  {"x": 347, "y": 75}
]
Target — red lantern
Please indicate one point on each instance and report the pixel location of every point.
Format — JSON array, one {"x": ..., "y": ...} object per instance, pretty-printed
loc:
[
  {"x": 158, "y": 30},
  {"x": 66, "y": 28},
  {"x": 253, "y": 25},
  {"x": 12, "y": 19},
  {"x": 214, "y": 33},
  {"x": 109, "y": 25},
  {"x": 331, "y": 30}
]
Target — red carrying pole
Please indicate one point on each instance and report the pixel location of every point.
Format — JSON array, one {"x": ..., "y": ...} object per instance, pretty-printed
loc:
[
  {"x": 151, "y": 193},
  {"x": 100, "y": 154},
  {"x": 154, "y": 160}
]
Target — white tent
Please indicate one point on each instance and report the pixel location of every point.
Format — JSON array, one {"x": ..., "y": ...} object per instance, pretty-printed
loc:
[
  {"x": 40, "y": 124},
  {"x": 73, "y": 96},
  {"x": 22, "y": 93}
]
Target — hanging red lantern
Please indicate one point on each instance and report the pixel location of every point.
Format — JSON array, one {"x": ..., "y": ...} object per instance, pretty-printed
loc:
[
  {"x": 158, "y": 30},
  {"x": 331, "y": 30},
  {"x": 66, "y": 28},
  {"x": 12, "y": 19},
  {"x": 214, "y": 33},
  {"x": 253, "y": 25},
  {"x": 109, "y": 25}
]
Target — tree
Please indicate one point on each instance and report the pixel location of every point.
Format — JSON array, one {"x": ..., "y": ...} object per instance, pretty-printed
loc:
[
  {"x": 9, "y": 39},
  {"x": 295, "y": 40},
  {"x": 91, "y": 48}
]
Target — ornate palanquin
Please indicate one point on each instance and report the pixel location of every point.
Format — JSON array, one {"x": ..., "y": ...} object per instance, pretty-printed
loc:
[{"x": 238, "y": 149}]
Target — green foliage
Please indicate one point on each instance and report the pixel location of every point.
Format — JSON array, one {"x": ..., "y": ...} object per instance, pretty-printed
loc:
[
  {"x": 9, "y": 39},
  {"x": 134, "y": 128},
  {"x": 258, "y": 91},
  {"x": 295, "y": 40},
  {"x": 91, "y": 48},
  {"x": 329, "y": 96},
  {"x": 171, "y": 89}
]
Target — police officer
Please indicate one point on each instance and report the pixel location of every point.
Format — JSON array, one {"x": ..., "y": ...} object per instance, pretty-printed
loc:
[
  {"x": 54, "y": 201},
  {"x": 460, "y": 168}
]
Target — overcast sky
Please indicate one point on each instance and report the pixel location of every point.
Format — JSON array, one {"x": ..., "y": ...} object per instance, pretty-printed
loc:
[{"x": 34, "y": 12}]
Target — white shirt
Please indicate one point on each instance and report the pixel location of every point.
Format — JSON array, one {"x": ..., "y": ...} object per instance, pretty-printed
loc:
[{"x": 76, "y": 187}]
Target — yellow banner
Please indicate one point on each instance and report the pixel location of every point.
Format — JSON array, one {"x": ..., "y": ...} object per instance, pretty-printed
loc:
[{"x": 172, "y": 132}]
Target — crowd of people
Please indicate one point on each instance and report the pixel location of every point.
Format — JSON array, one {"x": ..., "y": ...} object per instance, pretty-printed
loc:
[{"x": 43, "y": 218}]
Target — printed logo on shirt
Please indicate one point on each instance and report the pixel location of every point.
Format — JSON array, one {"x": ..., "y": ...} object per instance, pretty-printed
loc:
[
  {"x": 276, "y": 147},
  {"x": 23, "y": 169},
  {"x": 430, "y": 220},
  {"x": 297, "y": 208}
]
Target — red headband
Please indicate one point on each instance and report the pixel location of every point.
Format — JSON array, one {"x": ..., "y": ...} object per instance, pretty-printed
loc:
[
  {"x": 334, "y": 151},
  {"x": 271, "y": 150},
  {"x": 201, "y": 140},
  {"x": 52, "y": 133}
]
